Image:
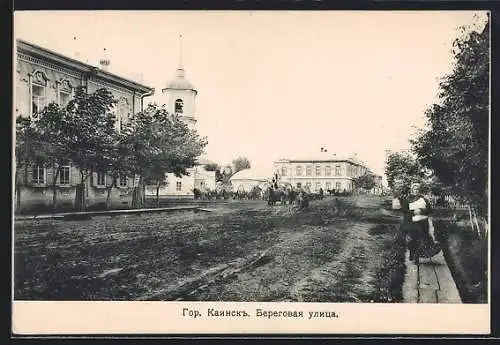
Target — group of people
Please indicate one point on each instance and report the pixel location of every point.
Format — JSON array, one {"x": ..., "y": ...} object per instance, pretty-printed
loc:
[{"x": 416, "y": 224}]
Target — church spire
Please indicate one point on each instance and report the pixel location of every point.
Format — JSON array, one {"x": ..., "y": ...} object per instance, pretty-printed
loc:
[{"x": 180, "y": 68}]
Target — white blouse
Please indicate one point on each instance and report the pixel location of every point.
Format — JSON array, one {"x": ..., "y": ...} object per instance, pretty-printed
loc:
[{"x": 419, "y": 204}]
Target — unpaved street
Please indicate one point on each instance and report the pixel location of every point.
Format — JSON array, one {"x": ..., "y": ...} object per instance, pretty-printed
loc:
[{"x": 242, "y": 251}]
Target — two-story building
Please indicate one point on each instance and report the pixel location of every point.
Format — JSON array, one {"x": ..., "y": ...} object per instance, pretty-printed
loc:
[
  {"x": 42, "y": 76},
  {"x": 326, "y": 171}
]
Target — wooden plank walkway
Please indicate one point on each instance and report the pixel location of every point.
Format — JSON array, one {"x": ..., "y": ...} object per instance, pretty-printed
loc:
[
  {"x": 89, "y": 214},
  {"x": 430, "y": 281}
]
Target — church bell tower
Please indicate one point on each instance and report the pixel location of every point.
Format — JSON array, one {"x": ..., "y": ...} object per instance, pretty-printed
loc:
[{"x": 181, "y": 95}]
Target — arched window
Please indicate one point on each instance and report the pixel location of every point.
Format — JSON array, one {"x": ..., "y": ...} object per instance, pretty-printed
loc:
[
  {"x": 64, "y": 92},
  {"x": 38, "y": 86},
  {"x": 179, "y": 105},
  {"x": 283, "y": 171}
]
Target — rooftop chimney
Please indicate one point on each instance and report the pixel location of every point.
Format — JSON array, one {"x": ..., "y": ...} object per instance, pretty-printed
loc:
[{"x": 104, "y": 62}]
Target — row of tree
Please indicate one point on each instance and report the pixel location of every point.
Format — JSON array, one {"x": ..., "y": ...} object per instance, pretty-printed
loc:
[
  {"x": 84, "y": 133},
  {"x": 452, "y": 153}
]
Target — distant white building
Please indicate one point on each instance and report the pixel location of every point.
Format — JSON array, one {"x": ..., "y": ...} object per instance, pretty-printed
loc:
[
  {"x": 249, "y": 178},
  {"x": 321, "y": 170}
]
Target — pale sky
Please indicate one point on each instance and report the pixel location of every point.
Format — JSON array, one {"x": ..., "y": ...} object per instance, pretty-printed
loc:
[{"x": 275, "y": 84}]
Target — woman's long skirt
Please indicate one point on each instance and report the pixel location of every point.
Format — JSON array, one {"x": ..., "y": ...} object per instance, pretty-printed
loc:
[{"x": 420, "y": 242}]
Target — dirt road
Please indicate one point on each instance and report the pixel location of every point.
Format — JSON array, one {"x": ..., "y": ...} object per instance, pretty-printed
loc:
[{"x": 243, "y": 251}]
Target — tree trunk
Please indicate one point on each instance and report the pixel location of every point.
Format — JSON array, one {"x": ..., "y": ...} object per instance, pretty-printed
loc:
[
  {"x": 18, "y": 198},
  {"x": 54, "y": 188},
  {"x": 158, "y": 194},
  {"x": 109, "y": 189},
  {"x": 138, "y": 194},
  {"x": 80, "y": 194}
]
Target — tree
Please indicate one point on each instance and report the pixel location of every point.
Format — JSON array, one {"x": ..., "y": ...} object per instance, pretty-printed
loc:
[
  {"x": 400, "y": 169},
  {"x": 240, "y": 163},
  {"x": 81, "y": 133},
  {"x": 455, "y": 146},
  {"x": 28, "y": 150},
  {"x": 365, "y": 181},
  {"x": 161, "y": 143}
]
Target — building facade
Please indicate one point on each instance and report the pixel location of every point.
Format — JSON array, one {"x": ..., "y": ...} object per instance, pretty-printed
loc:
[
  {"x": 42, "y": 76},
  {"x": 325, "y": 171}
]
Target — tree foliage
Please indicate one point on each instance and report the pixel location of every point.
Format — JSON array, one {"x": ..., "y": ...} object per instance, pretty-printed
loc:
[
  {"x": 161, "y": 143},
  {"x": 365, "y": 181},
  {"x": 400, "y": 169},
  {"x": 455, "y": 146},
  {"x": 240, "y": 163}
]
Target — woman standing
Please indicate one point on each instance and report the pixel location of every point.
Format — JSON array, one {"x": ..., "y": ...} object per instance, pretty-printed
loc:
[{"x": 417, "y": 209}]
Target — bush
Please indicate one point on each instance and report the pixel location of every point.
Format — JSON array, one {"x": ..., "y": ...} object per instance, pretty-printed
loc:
[{"x": 467, "y": 257}]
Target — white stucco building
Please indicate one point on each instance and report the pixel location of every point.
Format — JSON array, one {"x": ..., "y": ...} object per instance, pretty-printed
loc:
[
  {"x": 247, "y": 179},
  {"x": 323, "y": 170}
]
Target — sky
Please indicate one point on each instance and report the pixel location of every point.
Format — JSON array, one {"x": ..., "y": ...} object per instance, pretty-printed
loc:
[{"x": 275, "y": 84}]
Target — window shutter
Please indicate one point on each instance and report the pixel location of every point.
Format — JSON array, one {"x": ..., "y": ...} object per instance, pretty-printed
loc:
[
  {"x": 20, "y": 174},
  {"x": 30, "y": 174},
  {"x": 74, "y": 175},
  {"x": 109, "y": 180},
  {"x": 136, "y": 180},
  {"x": 94, "y": 179}
]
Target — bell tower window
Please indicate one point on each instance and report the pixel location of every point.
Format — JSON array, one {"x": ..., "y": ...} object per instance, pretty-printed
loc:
[{"x": 179, "y": 105}]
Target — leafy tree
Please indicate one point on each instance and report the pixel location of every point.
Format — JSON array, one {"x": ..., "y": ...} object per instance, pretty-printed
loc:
[
  {"x": 400, "y": 169},
  {"x": 161, "y": 143},
  {"x": 365, "y": 181},
  {"x": 27, "y": 151},
  {"x": 80, "y": 133},
  {"x": 240, "y": 163},
  {"x": 455, "y": 146}
]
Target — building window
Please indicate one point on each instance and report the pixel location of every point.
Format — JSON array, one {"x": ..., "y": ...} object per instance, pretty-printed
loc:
[
  {"x": 38, "y": 174},
  {"x": 318, "y": 185},
  {"x": 308, "y": 185},
  {"x": 328, "y": 171},
  {"x": 283, "y": 171},
  {"x": 37, "y": 99},
  {"x": 64, "y": 98},
  {"x": 328, "y": 186},
  {"x": 337, "y": 170},
  {"x": 318, "y": 170},
  {"x": 178, "y": 186},
  {"x": 64, "y": 175},
  {"x": 299, "y": 185},
  {"x": 308, "y": 171},
  {"x": 338, "y": 185},
  {"x": 101, "y": 179},
  {"x": 299, "y": 171},
  {"x": 179, "y": 105},
  {"x": 123, "y": 181}
]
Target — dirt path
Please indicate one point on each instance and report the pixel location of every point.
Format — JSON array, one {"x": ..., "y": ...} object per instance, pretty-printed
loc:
[{"x": 323, "y": 254}]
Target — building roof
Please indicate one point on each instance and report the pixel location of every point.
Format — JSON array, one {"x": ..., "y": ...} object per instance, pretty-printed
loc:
[
  {"x": 65, "y": 61},
  {"x": 180, "y": 82},
  {"x": 322, "y": 157},
  {"x": 252, "y": 174}
]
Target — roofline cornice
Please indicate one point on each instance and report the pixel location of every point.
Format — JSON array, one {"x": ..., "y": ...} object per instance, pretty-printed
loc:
[{"x": 47, "y": 54}]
